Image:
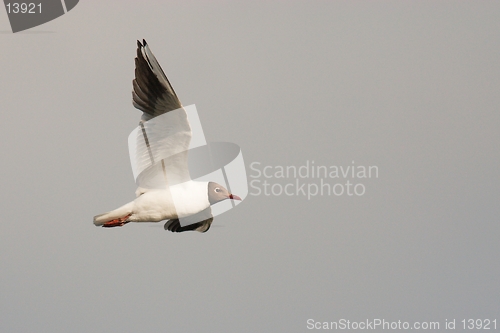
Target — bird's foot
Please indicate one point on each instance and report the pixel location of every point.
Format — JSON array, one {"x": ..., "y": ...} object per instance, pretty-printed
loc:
[{"x": 117, "y": 222}]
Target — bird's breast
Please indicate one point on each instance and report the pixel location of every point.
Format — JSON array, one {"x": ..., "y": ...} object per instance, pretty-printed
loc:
[{"x": 176, "y": 202}]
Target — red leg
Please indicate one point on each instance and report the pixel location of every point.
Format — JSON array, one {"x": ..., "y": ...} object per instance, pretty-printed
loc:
[{"x": 117, "y": 222}]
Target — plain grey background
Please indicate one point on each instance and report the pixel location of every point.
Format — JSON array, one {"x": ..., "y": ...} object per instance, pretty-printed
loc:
[{"x": 411, "y": 87}]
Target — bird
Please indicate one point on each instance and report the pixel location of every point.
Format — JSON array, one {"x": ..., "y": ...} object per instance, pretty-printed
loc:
[{"x": 178, "y": 198}]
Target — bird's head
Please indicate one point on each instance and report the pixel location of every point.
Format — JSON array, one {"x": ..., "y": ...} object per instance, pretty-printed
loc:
[{"x": 218, "y": 193}]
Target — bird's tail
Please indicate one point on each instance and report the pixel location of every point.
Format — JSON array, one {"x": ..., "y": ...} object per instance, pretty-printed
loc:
[{"x": 123, "y": 211}]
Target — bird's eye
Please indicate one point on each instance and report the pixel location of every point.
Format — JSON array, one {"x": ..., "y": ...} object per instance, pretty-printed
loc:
[{"x": 217, "y": 189}]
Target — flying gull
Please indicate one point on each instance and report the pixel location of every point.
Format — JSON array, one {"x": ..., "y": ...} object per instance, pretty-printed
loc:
[{"x": 181, "y": 198}]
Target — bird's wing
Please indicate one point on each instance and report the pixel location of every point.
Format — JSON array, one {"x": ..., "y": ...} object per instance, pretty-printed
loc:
[
  {"x": 200, "y": 222},
  {"x": 159, "y": 145},
  {"x": 153, "y": 94}
]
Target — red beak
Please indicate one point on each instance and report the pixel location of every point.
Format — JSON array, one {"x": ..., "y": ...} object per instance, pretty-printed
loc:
[{"x": 234, "y": 197}]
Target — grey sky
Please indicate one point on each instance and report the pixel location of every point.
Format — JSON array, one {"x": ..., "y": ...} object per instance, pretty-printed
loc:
[{"x": 411, "y": 87}]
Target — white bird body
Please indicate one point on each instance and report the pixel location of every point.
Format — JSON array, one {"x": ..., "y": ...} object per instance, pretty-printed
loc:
[{"x": 159, "y": 205}]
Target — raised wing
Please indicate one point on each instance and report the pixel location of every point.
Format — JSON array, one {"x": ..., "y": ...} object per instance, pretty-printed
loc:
[
  {"x": 159, "y": 145},
  {"x": 153, "y": 94}
]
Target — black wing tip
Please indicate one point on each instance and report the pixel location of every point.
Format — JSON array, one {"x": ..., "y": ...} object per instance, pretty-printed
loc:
[
  {"x": 144, "y": 43},
  {"x": 172, "y": 225},
  {"x": 175, "y": 226}
]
